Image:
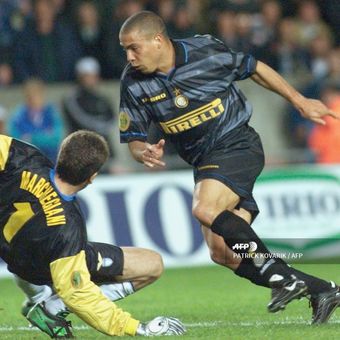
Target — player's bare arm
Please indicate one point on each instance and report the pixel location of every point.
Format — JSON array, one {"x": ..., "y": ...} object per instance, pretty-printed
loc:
[
  {"x": 311, "y": 109},
  {"x": 148, "y": 154}
]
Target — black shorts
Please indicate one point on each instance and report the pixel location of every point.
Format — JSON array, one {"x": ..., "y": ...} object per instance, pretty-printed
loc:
[
  {"x": 104, "y": 262},
  {"x": 236, "y": 161}
]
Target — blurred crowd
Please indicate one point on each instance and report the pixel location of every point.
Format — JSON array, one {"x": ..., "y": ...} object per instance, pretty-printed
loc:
[
  {"x": 47, "y": 41},
  {"x": 45, "y": 38}
]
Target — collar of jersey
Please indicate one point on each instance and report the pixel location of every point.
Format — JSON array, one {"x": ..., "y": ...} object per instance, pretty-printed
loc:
[
  {"x": 67, "y": 198},
  {"x": 181, "y": 58}
]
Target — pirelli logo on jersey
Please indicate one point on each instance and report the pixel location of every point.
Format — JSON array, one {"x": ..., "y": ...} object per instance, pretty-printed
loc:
[
  {"x": 194, "y": 118},
  {"x": 45, "y": 193}
]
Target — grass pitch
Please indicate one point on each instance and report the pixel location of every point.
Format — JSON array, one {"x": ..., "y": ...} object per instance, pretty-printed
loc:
[{"x": 211, "y": 301}]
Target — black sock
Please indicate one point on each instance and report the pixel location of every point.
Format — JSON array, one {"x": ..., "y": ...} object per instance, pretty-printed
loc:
[
  {"x": 247, "y": 270},
  {"x": 314, "y": 284},
  {"x": 236, "y": 231}
]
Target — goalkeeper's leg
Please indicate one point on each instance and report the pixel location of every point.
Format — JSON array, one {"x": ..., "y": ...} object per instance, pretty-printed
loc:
[
  {"x": 44, "y": 309},
  {"x": 121, "y": 271},
  {"x": 36, "y": 294}
]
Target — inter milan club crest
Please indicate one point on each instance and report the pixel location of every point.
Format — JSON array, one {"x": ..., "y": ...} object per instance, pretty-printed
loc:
[
  {"x": 181, "y": 101},
  {"x": 124, "y": 121}
]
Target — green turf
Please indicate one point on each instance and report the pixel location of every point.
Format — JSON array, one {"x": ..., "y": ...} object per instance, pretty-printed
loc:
[{"x": 211, "y": 301}]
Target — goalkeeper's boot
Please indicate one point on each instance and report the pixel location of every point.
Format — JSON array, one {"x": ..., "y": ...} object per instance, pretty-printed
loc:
[
  {"x": 27, "y": 305},
  {"x": 57, "y": 327},
  {"x": 284, "y": 291},
  {"x": 324, "y": 304}
]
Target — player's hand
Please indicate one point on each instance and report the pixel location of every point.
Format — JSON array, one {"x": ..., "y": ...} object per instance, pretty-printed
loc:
[
  {"x": 161, "y": 325},
  {"x": 316, "y": 111},
  {"x": 153, "y": 153}
]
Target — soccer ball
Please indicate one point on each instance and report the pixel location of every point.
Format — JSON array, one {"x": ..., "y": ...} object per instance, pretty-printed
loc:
[{"x": 158, "y": 326}]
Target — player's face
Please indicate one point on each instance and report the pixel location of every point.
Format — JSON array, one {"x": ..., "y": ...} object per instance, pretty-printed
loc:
[{"x": 142, "y": 52}]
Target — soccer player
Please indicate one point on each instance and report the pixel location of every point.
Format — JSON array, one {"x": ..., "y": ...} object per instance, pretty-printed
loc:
[
  {"x": 44, "y": 242},
  {"x": 187, "y": 88}
]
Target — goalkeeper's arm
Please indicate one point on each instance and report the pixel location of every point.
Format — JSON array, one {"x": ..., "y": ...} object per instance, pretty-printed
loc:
[{"x": 72, "y": 282}]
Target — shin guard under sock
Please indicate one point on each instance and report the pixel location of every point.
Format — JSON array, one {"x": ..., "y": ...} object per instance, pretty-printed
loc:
[
  {"x": 247, "y": 270},
  {"x": 236, "y": 231}
]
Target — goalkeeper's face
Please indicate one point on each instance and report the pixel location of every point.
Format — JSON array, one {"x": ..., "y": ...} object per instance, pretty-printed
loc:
[{"x": 143, "y": 51}]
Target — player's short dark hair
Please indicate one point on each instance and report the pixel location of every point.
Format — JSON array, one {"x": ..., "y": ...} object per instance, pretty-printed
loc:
[
  {"x": 81, "y": 155},
  {"x": 146, "y": 22}
]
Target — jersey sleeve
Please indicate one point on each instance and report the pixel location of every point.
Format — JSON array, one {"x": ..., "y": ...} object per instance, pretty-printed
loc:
[
  {"x": 5, "y": 143},
  {"x": 133, "y": 118},
  {"x": 71, "y": 280},
  {"x": 241, "y": 65}
]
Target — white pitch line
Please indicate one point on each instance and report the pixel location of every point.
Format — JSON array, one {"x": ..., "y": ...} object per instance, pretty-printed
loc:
[
  {"x": 287, "y": 321},
  {"x": 27, "y": 328}
]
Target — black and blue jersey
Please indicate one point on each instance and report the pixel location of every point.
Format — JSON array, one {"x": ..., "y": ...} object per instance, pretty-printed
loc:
[
  {"x": 196, "y": 104},
  {"x": 38, "y": 224}
]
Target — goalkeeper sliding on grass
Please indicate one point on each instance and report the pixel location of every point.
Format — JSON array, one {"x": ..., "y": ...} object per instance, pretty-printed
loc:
[{"x": 44, "y": 242}]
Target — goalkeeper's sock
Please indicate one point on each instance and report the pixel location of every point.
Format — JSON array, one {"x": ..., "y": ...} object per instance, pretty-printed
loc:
[
  {"x": 55, "y": 305},
  {"x": 117, "y": 291},
  {"x": 236, "y": 233}
]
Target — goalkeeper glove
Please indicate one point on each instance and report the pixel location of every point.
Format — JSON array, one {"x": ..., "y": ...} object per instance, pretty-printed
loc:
[{"x": 161, "y": 325}]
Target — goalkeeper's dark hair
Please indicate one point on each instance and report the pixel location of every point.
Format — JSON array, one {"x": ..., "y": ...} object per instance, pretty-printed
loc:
[{"x": 81, "y": 155}]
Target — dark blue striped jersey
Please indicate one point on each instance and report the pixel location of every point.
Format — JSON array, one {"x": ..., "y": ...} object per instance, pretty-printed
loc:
[{"x": 195, "y": 105}]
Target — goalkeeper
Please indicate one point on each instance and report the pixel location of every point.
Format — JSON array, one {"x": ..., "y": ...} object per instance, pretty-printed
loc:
[{"x": 44, "y": 242}]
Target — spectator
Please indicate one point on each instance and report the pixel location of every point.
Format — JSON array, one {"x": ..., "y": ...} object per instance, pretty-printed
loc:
[
  {"x": 37, "y": 121},
  {"x": 62, "y": 7},
  {"x": 47, "y": 48},
  {"x": 244, "y": 32},
  {"x": 265, "y": 31},
  {"x": 247, "y": 6},
  {"x": 298, "y": 129},
  {"x": 319, "y": 50},
  {"x": 288, "y": 7},
  {"x": 165, "y": 8},
  {"x": 85, "y": 108},
  {"x": 181, "y": 25},
  {"x": 116, "y": 57},
  {"x": 290, "y": 58},
  {"x": 2, "y": 120},
  {"x": 310, "y": 24},
  {"x": 226, "y": 28},
  {"x": 334, "y": 65},
  {"x": 89, "y": 31},
  {"x": 6, "y": 75},
  {"x": 13, "y": 15},
  {"x": 313, "y": 89},
  {"x": 266, "y": 23},
  {"x": 331, "y": 12},
  {"x": 324, "y": 140}
]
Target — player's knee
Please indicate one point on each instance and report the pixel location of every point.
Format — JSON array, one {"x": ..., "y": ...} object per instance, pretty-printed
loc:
[
  {"x": 205, "y": 214},
  {"x": 156, "y": 266}
]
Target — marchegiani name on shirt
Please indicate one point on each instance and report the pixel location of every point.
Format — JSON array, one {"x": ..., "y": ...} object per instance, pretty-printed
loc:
[{"x": 45, "y": 193}]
